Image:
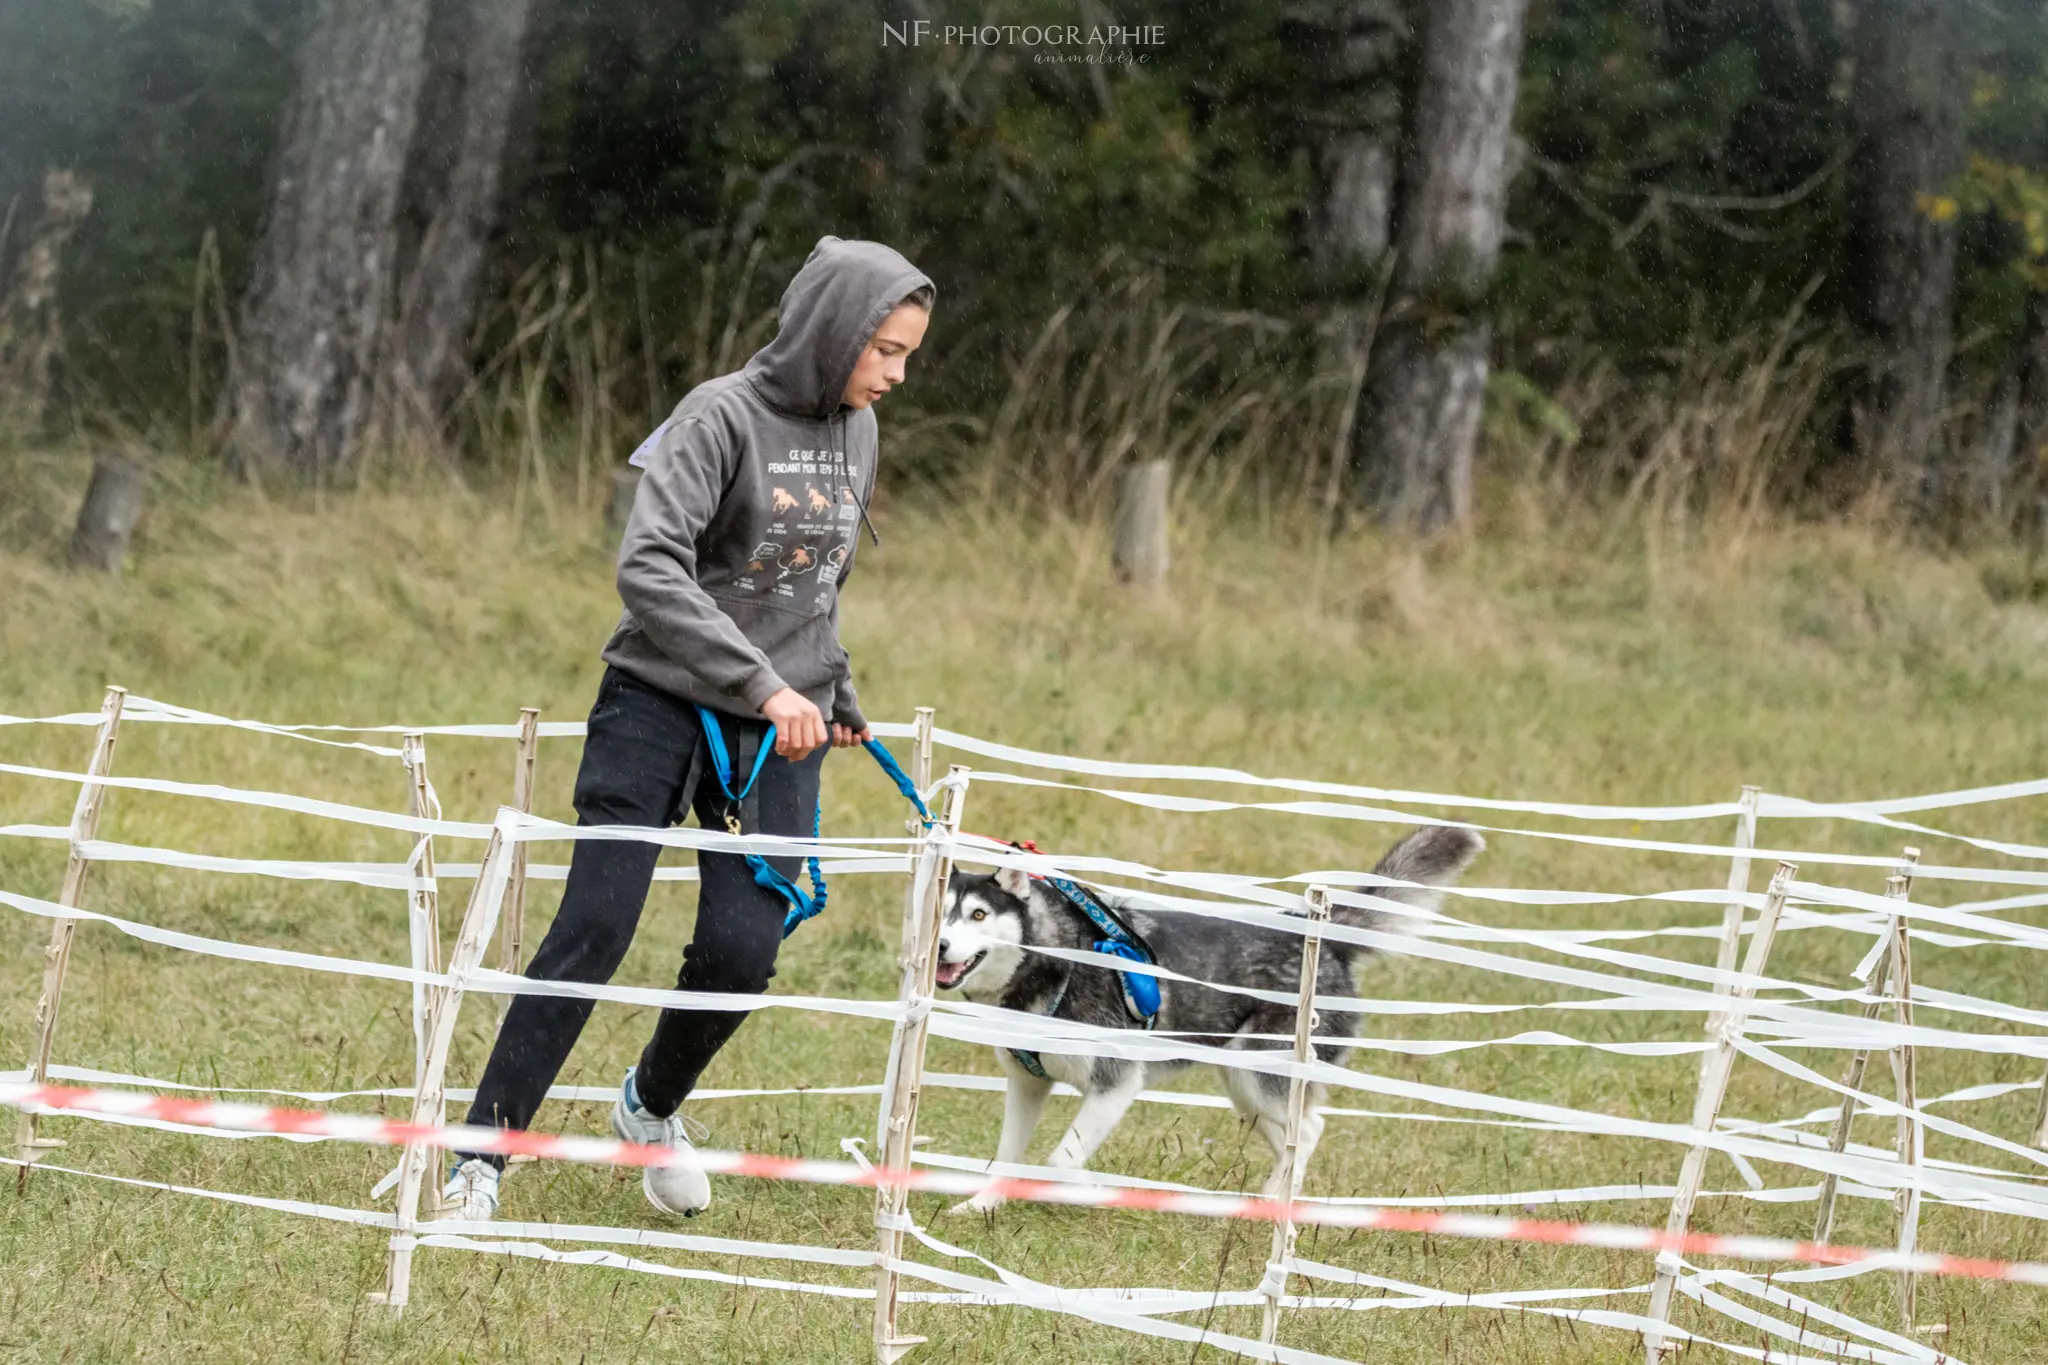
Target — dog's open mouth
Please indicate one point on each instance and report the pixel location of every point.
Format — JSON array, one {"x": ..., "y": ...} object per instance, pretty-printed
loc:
[{"x": 951, "y": 974}]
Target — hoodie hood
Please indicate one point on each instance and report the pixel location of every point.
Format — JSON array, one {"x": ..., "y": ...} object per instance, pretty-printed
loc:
[{"x": 828, "y": 315}]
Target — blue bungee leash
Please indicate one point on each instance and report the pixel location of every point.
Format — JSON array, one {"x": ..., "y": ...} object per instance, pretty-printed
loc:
[
  {"x": 895, "y": 774},
  {"x": 801, "y": 906}
]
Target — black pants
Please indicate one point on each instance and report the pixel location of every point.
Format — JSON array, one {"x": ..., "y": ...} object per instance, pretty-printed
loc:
[{"x": 645, "y": 763}]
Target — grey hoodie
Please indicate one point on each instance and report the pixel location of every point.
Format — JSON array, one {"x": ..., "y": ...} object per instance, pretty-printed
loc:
[{"x": 745, "y": 523}]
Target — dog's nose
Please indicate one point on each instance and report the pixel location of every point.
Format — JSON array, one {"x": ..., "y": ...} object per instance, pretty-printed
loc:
[{"x": 942, "y": 947}]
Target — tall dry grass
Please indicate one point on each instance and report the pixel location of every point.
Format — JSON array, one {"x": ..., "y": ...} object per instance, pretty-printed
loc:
[
  {"x": 1726, "y": 441},
  {"x": 1722, "y": 439}
]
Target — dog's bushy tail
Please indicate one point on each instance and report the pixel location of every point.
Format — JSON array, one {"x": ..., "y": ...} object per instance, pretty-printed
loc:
[{"x": 1433, "y": 856}]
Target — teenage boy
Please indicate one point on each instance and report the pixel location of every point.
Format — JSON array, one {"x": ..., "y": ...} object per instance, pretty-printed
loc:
[{"x": 741, "y": 535}]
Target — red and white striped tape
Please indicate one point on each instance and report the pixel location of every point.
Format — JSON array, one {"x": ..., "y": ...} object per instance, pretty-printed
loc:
[{"x": 368, "y": 1128}]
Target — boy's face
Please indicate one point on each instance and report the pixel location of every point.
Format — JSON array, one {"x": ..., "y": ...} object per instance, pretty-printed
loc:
[{"x": 880, "y": 367}]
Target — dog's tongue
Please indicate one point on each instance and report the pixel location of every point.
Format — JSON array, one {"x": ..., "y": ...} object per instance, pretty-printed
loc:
[{"x": 949, "y": 973}]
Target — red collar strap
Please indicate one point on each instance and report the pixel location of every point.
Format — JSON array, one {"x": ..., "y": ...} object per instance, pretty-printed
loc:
[{"x": 1022, "y": 846}]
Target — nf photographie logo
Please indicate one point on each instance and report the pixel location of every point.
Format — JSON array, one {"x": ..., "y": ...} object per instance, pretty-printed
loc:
[{"x": 1054, "y": 42}]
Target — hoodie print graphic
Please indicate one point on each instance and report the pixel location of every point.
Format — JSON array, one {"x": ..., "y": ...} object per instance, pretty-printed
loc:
[{"x": 801, "y": 555}]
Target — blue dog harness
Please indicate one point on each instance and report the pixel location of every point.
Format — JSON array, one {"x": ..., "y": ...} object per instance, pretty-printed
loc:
[
  {"x": 801, "y": 906},
  {"x": 1119, "y": 939}
]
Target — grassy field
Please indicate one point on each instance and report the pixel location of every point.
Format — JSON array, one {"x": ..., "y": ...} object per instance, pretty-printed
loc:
[{"x": 1822, "y": 662}]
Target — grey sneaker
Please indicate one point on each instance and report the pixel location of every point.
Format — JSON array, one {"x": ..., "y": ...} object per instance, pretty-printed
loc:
[
  {"x": 471, "y": 1193},
  {"x": 680, "y": 1189}
]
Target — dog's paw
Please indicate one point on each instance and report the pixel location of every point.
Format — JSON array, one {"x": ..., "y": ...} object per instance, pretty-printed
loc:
[{"x": 983, "y": 1204}]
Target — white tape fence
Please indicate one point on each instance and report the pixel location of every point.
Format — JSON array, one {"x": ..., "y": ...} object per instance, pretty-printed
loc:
[{"x": 1802, "y": 1030}]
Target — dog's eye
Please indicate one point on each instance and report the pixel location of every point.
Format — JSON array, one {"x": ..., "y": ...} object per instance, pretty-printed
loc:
[{"x": 981, "y": 914}]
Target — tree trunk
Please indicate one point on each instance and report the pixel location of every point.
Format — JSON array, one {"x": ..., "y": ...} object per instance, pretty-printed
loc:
[
  {"x": 902, "y": 87},
  {"x": 1354, "y": 199},
  {"x": 324, "y": 268},
  {"x": 2028, "y": 463},
  {"x": 1414, "y": 450},
  {"x": 31, "y": 322},
  {"x": 1902, "y": 234},
  {"x": 1353, "y": 46},
  {"x": 901, "y": 92},
  {"x": 1990, "y": 473},
  {"x": 474, "y": 50}
]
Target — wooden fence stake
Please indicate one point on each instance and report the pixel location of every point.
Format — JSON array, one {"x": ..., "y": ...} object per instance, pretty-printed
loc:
[
  {"x": 113, "y": 504},
  {"x": 1274, "y": 1286},
  {"x": 1139, "y": 554},
  {"x": 1706, "y": 1107},
  {"x": 1899, "y": 886},
  {"x": 512, "y": 937},
  {"x": 423, "y": 902},
  {"x": 29, "y": 1146},
  {"x": 486, "y": 898},
  {"x": 2040, "y": 1138},
  {"x": 625, "y": 487},
  {"x": 1738, "y": 885},
  {"x": 921, "y": 778},
  {"x": 1906, "y": 1087},
  {"x": 2041, "y": 1117},
  {"x": 903, "y": 1080}
]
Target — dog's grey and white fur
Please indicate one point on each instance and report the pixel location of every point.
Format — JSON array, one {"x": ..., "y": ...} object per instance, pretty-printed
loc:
[{"x": 992, "y": 921}]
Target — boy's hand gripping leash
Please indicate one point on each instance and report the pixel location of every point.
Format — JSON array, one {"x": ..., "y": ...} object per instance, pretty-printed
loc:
[{"x": 801, "y": 906}]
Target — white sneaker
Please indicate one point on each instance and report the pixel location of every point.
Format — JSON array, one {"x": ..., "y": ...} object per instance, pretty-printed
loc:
[
  {"x": 681, "y": 1189},
  {"x": 471, "y": 1193}
]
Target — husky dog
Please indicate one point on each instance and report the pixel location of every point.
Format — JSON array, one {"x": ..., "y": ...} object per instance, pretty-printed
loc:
[{"x": 991, "y": 921}]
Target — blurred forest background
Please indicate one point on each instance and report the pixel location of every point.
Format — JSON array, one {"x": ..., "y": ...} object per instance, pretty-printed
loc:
[{"x": 1636, "y": 260}]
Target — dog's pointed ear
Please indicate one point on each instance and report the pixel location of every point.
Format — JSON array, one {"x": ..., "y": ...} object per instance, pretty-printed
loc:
[{"x": 1015, "y": 881}]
